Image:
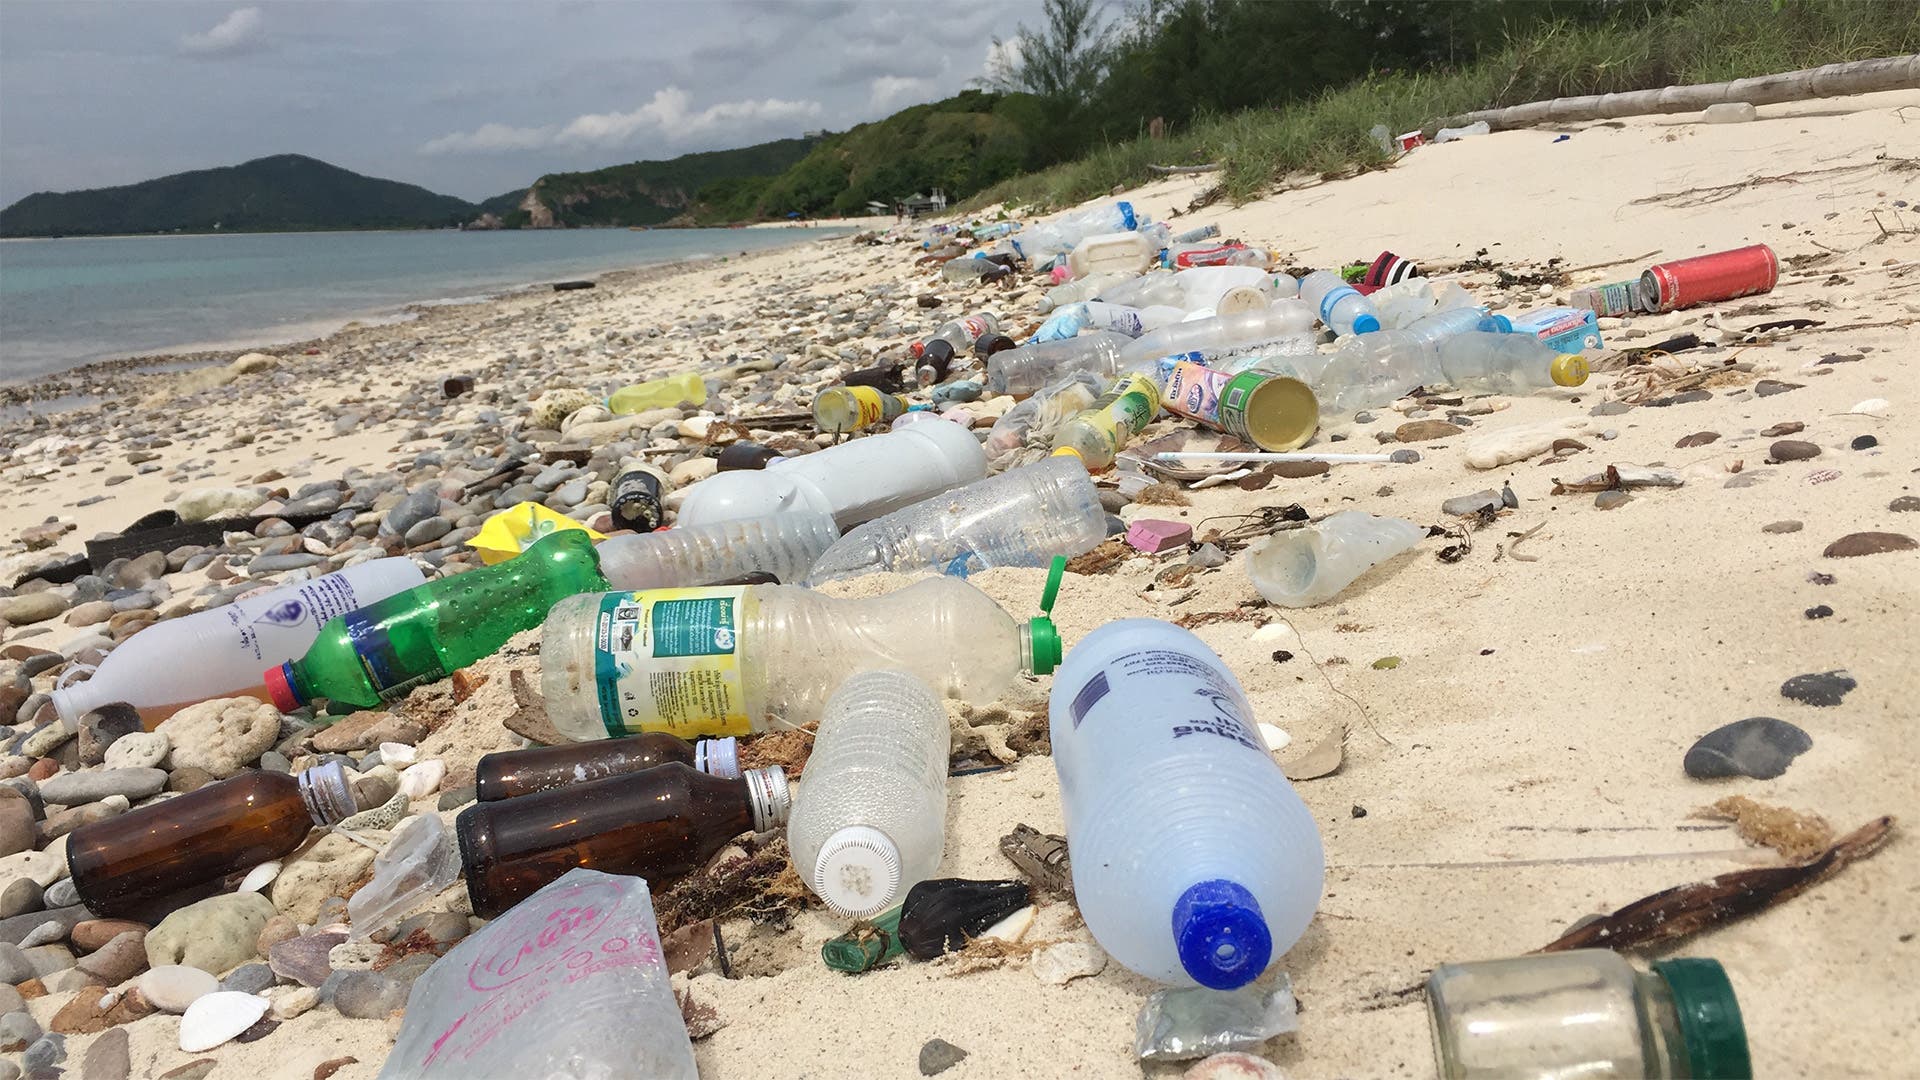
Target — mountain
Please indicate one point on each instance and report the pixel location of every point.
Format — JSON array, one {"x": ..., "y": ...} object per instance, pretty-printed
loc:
[
  {"x": 286, "y": 191},
  {"x": 655, "y": 192}
]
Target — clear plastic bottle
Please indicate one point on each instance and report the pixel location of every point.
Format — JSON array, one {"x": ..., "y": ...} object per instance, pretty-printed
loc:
[
  {"x": 1086, "y": 288},
  {"x": 869, "y": 820},
  {"x": 1026, "y": 369},
  {"x": 747, "y": 658},
  {"x": 1194, "y": 861},
  {"x": 1097, "y": 435},
  {"x": 784, "y": 545},
  {"x": 1039, "y": 243},
  {"x": 222, "y": 650},
  {"x": 1371, "y": 370},
  {"x": 962, "y": 333},
  {"x": 1069, "y": 321},
  {"x": 1344, "y": 310},
  {"x": 1285, "y": 320},
  {"x": 1022, "y": 517},
  {"x": 1303, "y": 567},
  {"x": 971, "y": 269},
  {"x": 1036, "y": 418},
  {"x": 838, "y": 410},
  {"x": 659, "y": 394}
]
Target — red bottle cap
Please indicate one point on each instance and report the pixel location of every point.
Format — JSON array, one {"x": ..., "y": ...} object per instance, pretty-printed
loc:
[{"x": 279, "y": 682}]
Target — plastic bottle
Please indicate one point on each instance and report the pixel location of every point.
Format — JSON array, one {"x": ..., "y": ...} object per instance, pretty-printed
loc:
[
  {"x": 1086, "y": 288},
  {"x": 1283, "y": 321},
  {"x": 838, "y": 410},
  {"x": 972, "y": 268},
  {"x": 1026, "y": 369},
  {"x": 855, "y": 481},
  {"x": 659, "y": 394},
  {"x": 222, "y": 650},
  {"x": 1194, "y": 236},
  {"x": 1042, "y": 413},
  {"x": 1114, "y": 253},
  {"x": 962, "y": 333},
  {"x": 1303, "y": 567},
  {"x": 870, "y": 820},
  {"x": 1069, "y": 321},
  {"x": 1104, "y": 429},
  {"x": 1373, "y": 369},
  {"x": 1022, "y": 517},
  {"x": 382, "y": 651},
  {"x": 741, "y": 659},
  {"x": 513, "y": 773},
  {"x": 1183, "y": 256},
  {"x": 635, "y": 497},
  {"x": 745, "y": 455},
  {"x": 658, "y": 824},
  {"x": 784, "y": 545},
  {"x": 1193, "y": 859},
  {"x": 147, "y": 861},
  {"x": 1338, "y": 305},
  {"x": 1039, "y": 243}
]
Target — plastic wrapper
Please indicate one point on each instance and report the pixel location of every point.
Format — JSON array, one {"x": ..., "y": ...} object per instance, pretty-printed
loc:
[
  {"x": 1193, "y": 1022},
  {"x": 519, "y": 527},
  {"x": 570, "y": 983}
]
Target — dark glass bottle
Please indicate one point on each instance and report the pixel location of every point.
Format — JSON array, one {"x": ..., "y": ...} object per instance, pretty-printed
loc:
[
  {"x": 635, "y": 500},
  {"x": 514, "y": 773},
  {"x": 146, "y": 862},
  {"x": 658, "y": 824},
  {"x": 745, "y": 455}
]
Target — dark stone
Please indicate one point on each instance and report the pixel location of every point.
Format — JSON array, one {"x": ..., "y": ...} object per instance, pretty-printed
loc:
[
  {"x": 1905, "y": 504},
  {"x": 1698, "y": 438},
  {"x": 1781, "y": 527},
  {"x": 249, "y": 979},
  {"x": 1770, "y": 387},
  {"x": 939, "y": 1055},
  {"x": 1864, "y": 442},
  {"x": 1358, "y": 811},
  {"x": 1792, "y": 450},
  {"x": 1760, "y": 747},
  {"x": 1789, "y": 427},
  {"x": 1686, "y": 397},
  {"x": 99, "y": 729},
  {"x": 1824, "y": 688},
  {"x": 1819, "y": 611},
  {"x": 1854, "y": 545}
]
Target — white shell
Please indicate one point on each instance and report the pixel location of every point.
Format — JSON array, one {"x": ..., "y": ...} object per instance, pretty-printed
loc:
[
  {"x": 1013, "y": 927},
  {"x": 174, "y": 987},
  {"x": 421, "y": 780},
  {"x": 398, "y": 754},
  {"x": 1873, "y": 406},
  {"x": 218, "y": 1017},
  {"x": 1276, "y": 738},
  {"x": 260, "y": 877}
]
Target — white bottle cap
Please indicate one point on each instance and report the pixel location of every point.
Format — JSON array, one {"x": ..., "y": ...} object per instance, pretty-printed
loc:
[
  {"x": 858, "y": 871},
  {"x": 718, "y": 757}
]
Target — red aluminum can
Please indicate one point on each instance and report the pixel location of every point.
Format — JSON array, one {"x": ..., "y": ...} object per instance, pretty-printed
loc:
[{"x": 1703, "y": 279}]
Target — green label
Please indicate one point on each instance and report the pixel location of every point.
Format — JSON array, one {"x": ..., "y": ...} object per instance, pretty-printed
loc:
[{"x": 694, "y": 627}]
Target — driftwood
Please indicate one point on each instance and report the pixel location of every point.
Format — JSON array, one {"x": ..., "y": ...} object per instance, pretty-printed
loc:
[
  {"x": 1186, "y": 170},
  {"x": 1831, "y": 80}
]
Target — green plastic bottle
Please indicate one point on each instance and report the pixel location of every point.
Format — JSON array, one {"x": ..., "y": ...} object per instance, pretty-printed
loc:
[{"x": 382, "y": 651}]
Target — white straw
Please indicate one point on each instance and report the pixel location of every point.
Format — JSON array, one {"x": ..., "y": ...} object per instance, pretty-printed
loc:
[{"x": 1272, "y": 457}]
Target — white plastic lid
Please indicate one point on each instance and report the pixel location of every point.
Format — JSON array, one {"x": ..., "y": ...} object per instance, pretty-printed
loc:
[
  {"x": 857, "y": 872},
  {"x": 718, "y": 757}
]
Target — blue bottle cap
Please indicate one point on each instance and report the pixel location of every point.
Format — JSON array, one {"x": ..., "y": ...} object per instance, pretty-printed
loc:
[
  {"x": 1365, "y": 324},
  {"x": 1498, "y": 324},
  {"x": 1221, "y": 935}
]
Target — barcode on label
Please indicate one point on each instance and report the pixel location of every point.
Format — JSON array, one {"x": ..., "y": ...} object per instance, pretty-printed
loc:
[{"x": 1088, "y": 697}]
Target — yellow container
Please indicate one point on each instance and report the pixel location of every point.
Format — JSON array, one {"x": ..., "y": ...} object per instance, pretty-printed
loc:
[{"x": 659, "y": 394}]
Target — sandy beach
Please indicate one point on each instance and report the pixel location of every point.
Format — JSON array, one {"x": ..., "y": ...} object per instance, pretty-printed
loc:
[{"x": 1517, "y": 770}]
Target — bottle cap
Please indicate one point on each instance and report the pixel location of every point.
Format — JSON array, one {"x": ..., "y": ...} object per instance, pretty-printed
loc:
[
  {"x": 1044, "y": 651},
  {"x": 993, "y": 343},
  {"x": 1221, "y": 935},
  {"x": 857, "y": 871},
  {"x": 1710, "y": 1022},
  {"x": 1365, "y": 324},
  {"x": 769, "y": 795},
  {"x": 1501, "y": 324},
  {"x": 1067, "y": 451},
  {"x": 1569, "y": 369},
  {"x": 718, "y": 757},
  {"x": 327, "y": 794},
  {"x": 280, "y": 685}
]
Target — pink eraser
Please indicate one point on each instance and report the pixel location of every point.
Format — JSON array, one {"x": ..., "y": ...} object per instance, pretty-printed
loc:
[{"x": 1154, "y": 537}]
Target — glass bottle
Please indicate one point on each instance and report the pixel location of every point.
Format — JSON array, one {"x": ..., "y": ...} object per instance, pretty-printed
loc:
[
  {"x": 658, "y": 824},
  {"x": 513, "y": 773},
  {"x": 1587, "y": 1013},
  {"x": 382, "y": 651},
  {"x": 146, "y": 862}
]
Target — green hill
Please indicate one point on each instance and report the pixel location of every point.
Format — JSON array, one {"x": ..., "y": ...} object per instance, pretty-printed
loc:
[
  {"x": 656, "y": 192},
  {"x": 284, "y": 192}
]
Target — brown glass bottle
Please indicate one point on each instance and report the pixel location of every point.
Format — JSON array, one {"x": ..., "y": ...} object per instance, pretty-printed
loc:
[
  {"x": 657, "y": 824},
  {"x": 146, "y": 862},
  {"x": 514, "y": 773}
]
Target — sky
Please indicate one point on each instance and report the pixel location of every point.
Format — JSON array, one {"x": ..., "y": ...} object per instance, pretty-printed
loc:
[{"x": 464, "y": 97}]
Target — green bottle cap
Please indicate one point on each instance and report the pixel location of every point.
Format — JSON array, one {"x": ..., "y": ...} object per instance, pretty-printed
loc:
[
  {"x": 1043, "y": 638},
  {"x": 1710, "y": 1023}
]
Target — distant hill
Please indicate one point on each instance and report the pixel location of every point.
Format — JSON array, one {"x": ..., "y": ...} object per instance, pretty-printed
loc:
[
  {"x": 656, "y": 192},
  {"x": 283, "y": 192}
]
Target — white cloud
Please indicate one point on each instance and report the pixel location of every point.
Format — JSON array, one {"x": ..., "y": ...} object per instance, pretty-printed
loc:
[
  {"x": 889, "y": 89},
  {"x": 669, "y": 116},
  {"x": 489, "y": 139},
  {"x": 241, "y": 32}
]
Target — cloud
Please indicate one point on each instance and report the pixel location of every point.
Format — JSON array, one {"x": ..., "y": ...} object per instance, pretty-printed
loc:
[
  {"x": 668, "y": 116},
  {"x": 238, "y": 33},
  {"x": 888, "y": 89},
  {"x": 490, "y": 139}
]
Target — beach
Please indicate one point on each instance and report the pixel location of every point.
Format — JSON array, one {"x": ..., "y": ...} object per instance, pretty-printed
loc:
[{"x": 1514, "y": 770}]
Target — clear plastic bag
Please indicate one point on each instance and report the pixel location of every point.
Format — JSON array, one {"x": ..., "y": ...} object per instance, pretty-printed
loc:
[{"x": 1193, "y": 1022}]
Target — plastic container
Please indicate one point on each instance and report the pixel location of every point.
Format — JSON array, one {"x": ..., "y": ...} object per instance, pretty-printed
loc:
[
  {"x": 1086, "y": 288},
  {"x": 1040, "y": 415},
  {"x": 870, "y": 821},
  {"x": 1113, "y": 253},
  {"x": 1194, "y": 862},
  {"x": 1371, "y": 370},
  {"x": 1022, "y": 517},
  {"x": 838, "y": 410},
  {"x": 784, "y": 545},
  {"x": 1284, "y": 324},
  {"x": 1587, "y": 1013},
  {"x": 222, "y": 650},
  {"x": 1303, "y": 567},
  {"x": 1562, "y": 329},
  {"x": 1342, "y": 309},
  {"x": 659, "y": 394},
  {"x": 1024, "y": 370},
  {"x": 512, "y": 773},
  {"x": 855, "y": 481},
  {"x": 1069, "y": 321},
  {"x": 748, "y": 658},
  {"x": 1098, "y": 434}
]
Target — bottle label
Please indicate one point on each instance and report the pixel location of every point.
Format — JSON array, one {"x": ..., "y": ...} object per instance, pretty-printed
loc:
[
  {"x": 313, "y": 603},
  {"x": 1121, "y": 412},
  {"x": 380, "y": 656},
  {"x": 1218, "y": 709},
  {"x": 669, "y": 660},
  {"x": 872, "y": 404},
  {"x": 1192, "y": 389}
]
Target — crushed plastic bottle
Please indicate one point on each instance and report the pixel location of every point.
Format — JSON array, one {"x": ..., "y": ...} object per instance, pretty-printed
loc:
[
  {"x": 1339, "y": 306},
  {"x": 1024, "y": 370},
  {"x": 784, "y": 545},
  {"x": 416, "y": 864},
  {"x": 1098, "y": 434},
  {"x": 658, "y": 394},
  {"x": 1040, "y": 415},
  {"x": 1284, "y": 325},
  {"x": 1303, "y": 567}
]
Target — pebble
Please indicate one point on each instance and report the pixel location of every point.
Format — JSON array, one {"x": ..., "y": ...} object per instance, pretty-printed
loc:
[
  {"x": 138, "y": 750},
  {"x": 1760, "y": 747},
  {"x": 16, "y": 822},
  {"x": 1781, "y": 527},
  {"x": 1824, "y": 688},
  {"x": 118, "y": 960},
  {"x": 1207, "y": 557},
  {"x": 1698, "y": 438},
  {"x": 295, "y": 1002},
  {"x": 1854, "y": 545},
  {"x": 1607, "y": 500},
  {"x": 14, "y": 965},
  {"x": 304, "y": 959},
  {"x": 275, "y": 564},
  {"x": 108, "y": 1057},
  {"x": 427, "y": 531},
  {"x": 1860, "y": 442},
  {"x": 1789, "y": 427},
  {"x": 939, "y": 1055},
  {"x": 94, "y": 933},
  {"x": 46, "y": 1052},
  {"x": 1425, "y": 430},
  {"x": 18, "y": 1030},
  {"x": 1770, "y": 387},
  {"x": 19, "y": 896},
  {"x": 218, "y": 1017},
  {"x": 1905, "y": 504},
  {"x": 29, "y": 608},
  {"x": 368, "y": 995},
  {"x": 1819, "y": 611},
  {"x": 1792, "y": 450},
  {"x": 1466, "y": 505},
  {"x": 173, "y": 987},
  {"x": 92, "y": 785},
  {"x": 423, "y": 779},
  {"x": 249, "y": 979},
  {"x": 1058, "y": 965}
]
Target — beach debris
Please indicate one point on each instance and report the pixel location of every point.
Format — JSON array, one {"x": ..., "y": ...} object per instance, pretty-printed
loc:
[
  {"x": 939, "y": 1055},
  {"x": 1790, "y": 832},
  {"x": 1304, "y": 567},
  {"x": 1854, "y": 545},
  {"x": 418, "y": 862},
  {"x": 1323, "y": 758},
  {"x": 759, "y": 885},
  {"x": 868, "y": 945},
  {"x": 1760, "y": 747},
  {"x": 1191, "y": 1022},
  {"x": 941, "y": 915},
  {"x": 1043, "y": 857},
  {"x": 1153, "y": 537},
  {"x": 1620, "y": 477}
]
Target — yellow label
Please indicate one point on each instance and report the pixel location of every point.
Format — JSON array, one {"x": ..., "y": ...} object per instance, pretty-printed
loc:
[
  {"x": 873, "y": 407},
  {"x": 669, "y": 660}
]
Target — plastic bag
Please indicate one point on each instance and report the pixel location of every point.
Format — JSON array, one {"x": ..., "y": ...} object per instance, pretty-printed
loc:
[
  {"x": 1194, "y": 1022},
  {"x": 570, "y": 983},
  {"x": 518, "y": 528}
]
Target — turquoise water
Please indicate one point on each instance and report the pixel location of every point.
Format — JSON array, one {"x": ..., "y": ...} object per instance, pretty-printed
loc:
[{"x": 66, "y": 302}]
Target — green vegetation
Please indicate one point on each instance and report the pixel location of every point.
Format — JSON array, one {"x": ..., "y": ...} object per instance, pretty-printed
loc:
[{"x": 656, "y": 192}]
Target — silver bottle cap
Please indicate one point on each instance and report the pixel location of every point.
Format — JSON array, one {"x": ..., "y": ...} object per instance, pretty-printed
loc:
[
  {"x": 769, "y": 795},
  {"x": 327, "y": 794}
]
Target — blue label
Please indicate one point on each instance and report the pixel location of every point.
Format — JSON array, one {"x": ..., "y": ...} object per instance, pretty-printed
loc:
[{"x": 379, "y": 658}]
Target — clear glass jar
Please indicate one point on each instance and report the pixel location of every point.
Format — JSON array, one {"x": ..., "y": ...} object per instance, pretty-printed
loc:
[{"x": 1588, "y": 1014}]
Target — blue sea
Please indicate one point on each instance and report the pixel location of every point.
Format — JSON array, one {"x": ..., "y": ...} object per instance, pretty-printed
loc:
[{"x": 68, "y": 302}]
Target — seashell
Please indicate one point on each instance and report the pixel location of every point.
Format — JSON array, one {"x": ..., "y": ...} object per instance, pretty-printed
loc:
[
  {"x": 420, "y": 780},
  {"x": 217, "y": 1017},
  {"x": 941, "y": 915},
  {"x": 260, "y": 877}
]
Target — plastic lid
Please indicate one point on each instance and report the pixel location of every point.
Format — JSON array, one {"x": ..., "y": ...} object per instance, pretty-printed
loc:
[
  {"x": 857, "y": 871},
  {"x": 1502, "y": 324},
  {"x": 279, "y": 682},
  {"x": 327, "y": 794},
  {"x": 769, "y": 795},
  {"x": 1569, "y": 369},
  {"x": 1067, "y": 451},
  {"x": 1365, "y": 324},
  {"x": 1044, "y": 651},
  {"x": 718, "y": 757},
  {"x": 1710, "y": 1023},
  {"x": 1221, "y": 935}
]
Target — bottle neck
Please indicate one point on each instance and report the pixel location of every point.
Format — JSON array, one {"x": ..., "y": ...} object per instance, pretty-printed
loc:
[
  {"x": 1666, "y": 1047},
  {"x": 327, "y": 795}
]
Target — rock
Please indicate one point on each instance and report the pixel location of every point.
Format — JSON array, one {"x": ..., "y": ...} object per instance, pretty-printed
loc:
[
  {"x": 939, "y": 1055},
  {"x": 295, "y": 1002},
  {"x": 1465, "y": 505},
  {"x": 249, "y": 979},
  {"x": 455, "y": 798},
  {"x": 362, "y": 730},
  {"x": 92, "y": 785},
  {"x": 108, "y": 1057},
  {"x": 1058, "y": 965},
  {"x": 16, "y": 822},
  {"x": 368, "y": 995},
  {"x": 203, "y": 504},
  {"x": 1792, "y": 450},
  {"x": 1207, "y": 557},
  {"x": 91, "y": 613},
  {"x": 1685, "y": 397},
  {"x": 1860, "y": 442},
  {"x": 376, "y": 787},
  {"x": 1905, "y": 504},
  {"x": 304, "y": 959},
  {"x": 118, "y": 960},
  {"x": 1760, "y": 747},
  {"x": 278, "y": 929},
  {"x": 1519, "y": 444},
  {"x": 1770, "y": 387},
  {"x": 214, "y": 934},
  {"x": 137, "y": 750},
  {"x": 1781, "y": 527},
  {"x": 18, "y": 1030},
  {"x": 1608, "y": 500},
  {"x": 46, "y": 1052},
  {"x": 19, "y": 896},
  {"x": 427, "y": 531},
  {"x": 46, "y": 739},
  {"x": 1854, "y": 545},
  {"x": 423, "y": 779},
  {"x": 1698, "y": 438},
  {"x": 95, "y": 1011},
  {"x": 1819, "y": 611},
  {"x": 104, "y": 726},
  {"x": 192, "y": 1070},
  {"x": 1824, "y": 689},
  {"x": 222, "y": 736},
  {"x": 173, "y": 987},
  {"x": 355, "y": 955},
  {"x": 1234, "y": 1065},
  {"x": 14, "y": 965},
  {"x": 275, "y": 564},
  {"x": 328, "y": 868},
  {"x": 29, "y": 608},
  {"x": 64, "y": 893},
  {"x": 182, "y": 780},
  {"x": 95, "y": 933},
  {"x": 218, "y": 1017},
  {"x": 1790, "y": 427},
  {"x": 410, "y": 511},
  {"x": 1425, "y": 430}
]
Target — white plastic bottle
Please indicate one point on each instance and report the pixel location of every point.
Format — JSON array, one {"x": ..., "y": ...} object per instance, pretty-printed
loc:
[
  {"x": 784, "y": 545},
  {"x": 1022, "y": 517},
  {"x": 222, "y": 651},
  {"x": 1026, "y": 369},
  {"x": 738, "y": 659},
  {"x": 1344, "y": 310},
  {"x": 1285, "y": 322},
  {"x": 1069, "y": 321},
  {"x": 855, "y": 481},
  {"x": 1194, "y": 861},
  {"x": 869, "y": 820}
]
